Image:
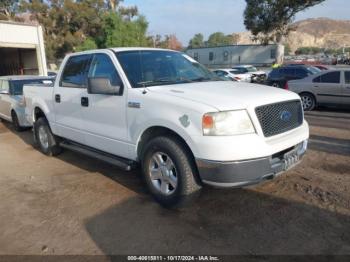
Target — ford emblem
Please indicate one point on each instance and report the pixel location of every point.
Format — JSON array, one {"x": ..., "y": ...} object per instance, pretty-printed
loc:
[{"x": 285, "y": 116}]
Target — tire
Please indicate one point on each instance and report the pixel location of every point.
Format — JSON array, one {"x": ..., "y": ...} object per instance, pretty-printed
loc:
[
  {"x": 46, "y": 141},
  {"x": 308, "y": 101},
  {"x": 174, "y": 177},
  {"x": 15, "y": 122}
]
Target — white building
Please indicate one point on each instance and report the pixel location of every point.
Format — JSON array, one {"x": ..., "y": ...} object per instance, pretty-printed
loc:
[
  {"x": 22, "y": 50},
  {"x": 228, "y": 56}
]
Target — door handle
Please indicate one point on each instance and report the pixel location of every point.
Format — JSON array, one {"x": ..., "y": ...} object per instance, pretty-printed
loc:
[
  {"x": 85, "y": 101},
  {"x": 58, "y": 98}
]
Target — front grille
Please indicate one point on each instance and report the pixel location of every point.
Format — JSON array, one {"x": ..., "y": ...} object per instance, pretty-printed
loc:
[{"x": 280, "y": 117}]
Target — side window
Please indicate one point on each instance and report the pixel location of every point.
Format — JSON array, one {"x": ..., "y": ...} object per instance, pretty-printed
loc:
[
  {"x": 220, "y": 73},
  {"x": 289, "y": 72},
  {"x": 273, "y": 54},
  {"x": 317, "y": 79},
  {"x": 347, "y": 77},
  {"x": 102, "y": 66},
  {"x": 211, "y": 56},
  {"x": 332, "y": 77},
  {"x": 226, "y": 55},
  {"x": 5, "y": 86},
  {"x": 300, "y": 73},
  {"x": 75, "y": 72}
]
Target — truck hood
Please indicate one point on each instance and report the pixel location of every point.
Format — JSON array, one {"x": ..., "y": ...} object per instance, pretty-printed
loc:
[{"x": 227, "y": 95}]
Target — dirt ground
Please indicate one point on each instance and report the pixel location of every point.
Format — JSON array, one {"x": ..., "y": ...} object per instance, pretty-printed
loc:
[{"x": 73, "y": 204}]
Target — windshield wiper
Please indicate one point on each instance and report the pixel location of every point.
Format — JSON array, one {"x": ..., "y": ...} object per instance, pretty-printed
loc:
[{"x": 164, "y": 81}]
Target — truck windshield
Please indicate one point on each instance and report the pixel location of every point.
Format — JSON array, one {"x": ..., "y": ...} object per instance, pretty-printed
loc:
[{"x": 154, "y": 68}]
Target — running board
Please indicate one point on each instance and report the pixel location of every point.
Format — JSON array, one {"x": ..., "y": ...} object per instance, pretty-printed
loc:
[{"x": 120, "y": 162}]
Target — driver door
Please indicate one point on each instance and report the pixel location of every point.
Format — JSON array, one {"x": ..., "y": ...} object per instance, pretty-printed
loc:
[{"x": 104, "y": 116}]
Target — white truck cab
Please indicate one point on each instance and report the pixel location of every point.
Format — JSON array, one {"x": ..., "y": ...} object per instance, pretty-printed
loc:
[{"x": 163, "y": 110}]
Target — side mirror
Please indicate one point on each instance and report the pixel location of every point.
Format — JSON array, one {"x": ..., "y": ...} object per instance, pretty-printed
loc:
[{"x": 103, "y": 86}]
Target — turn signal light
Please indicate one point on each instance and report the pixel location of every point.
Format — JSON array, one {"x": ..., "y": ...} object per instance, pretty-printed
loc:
[{"x": 207, "y": 122}]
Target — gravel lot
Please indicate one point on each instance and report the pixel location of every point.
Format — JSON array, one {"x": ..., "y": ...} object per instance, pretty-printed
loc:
[{"x": 73, "y": 204}]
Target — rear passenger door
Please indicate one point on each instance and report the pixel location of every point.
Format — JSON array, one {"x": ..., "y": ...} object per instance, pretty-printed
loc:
[
  {"x": 71, "y": 88},
  {"x": 328, "y": 88}
]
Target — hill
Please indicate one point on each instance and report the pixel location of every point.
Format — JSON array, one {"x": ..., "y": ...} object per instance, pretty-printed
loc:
[{"x": 317, "y": 32}]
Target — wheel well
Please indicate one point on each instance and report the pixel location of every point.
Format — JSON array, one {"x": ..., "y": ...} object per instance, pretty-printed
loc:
[
  {"x": 38, "y": 113},
  {"x": 156, "y": 131},
  {"x": 309, "y": 94}
]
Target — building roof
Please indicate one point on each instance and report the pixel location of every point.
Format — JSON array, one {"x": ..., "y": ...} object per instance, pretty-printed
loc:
[
  {"x": 24, "y": 77},
  {"x": 221, "y": 46}
]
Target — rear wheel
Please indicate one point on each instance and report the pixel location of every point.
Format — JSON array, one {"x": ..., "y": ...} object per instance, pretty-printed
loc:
[
  {"x": 15, "y": 122},
  {"x": 46, "y": 141},
  {"x": 169, "y": 171},
  {"x": 308, "y": 101}
]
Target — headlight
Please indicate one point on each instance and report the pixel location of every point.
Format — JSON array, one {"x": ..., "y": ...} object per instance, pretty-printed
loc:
[{"x": 227, "y": 123}]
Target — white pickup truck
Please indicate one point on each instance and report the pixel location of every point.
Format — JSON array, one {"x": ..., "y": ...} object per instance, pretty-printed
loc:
[{"x": 163, "y": 110}]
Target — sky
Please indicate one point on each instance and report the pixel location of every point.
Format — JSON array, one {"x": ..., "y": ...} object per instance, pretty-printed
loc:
[{"x": 185, "y": 18}]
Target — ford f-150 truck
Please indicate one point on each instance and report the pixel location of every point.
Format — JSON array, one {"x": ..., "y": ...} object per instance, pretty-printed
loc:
[{"x": 163, "y": 110}]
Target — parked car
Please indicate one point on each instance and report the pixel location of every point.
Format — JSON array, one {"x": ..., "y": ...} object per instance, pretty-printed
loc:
[
  {"x": 278, "y": 77},
  {"x": 255, "y": 75},
  {"x": 233, "y": 75},
  {"x": 328, "y": 87},
  {"x": 12, "y": 106},
  {"x": 323, "y": 67},
  {"x": 165, "y": 111}
]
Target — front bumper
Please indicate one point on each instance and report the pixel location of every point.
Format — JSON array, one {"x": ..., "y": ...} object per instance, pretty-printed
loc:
[{"x": 249, "y": 172}]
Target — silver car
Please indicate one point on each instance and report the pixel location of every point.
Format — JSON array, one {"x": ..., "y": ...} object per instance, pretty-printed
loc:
[
  {"x": 330, "y": 87},
  {"x": 12, "y": 105}
]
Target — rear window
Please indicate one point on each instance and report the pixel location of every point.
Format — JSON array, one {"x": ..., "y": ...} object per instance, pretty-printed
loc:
[
  {"x": 288, "y": 71},
  {"x": 300, "y": 73},
  {"x": 16, "y": 86}
]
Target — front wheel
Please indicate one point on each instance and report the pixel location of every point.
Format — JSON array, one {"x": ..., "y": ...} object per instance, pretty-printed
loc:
[
  {"x": 308, "y": 101},
  {"x": 46, "y": 141},
  {"x": 169, "y": 171}
]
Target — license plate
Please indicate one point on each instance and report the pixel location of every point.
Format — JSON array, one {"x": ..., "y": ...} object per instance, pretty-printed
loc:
[{"x": 290, "y": 160}]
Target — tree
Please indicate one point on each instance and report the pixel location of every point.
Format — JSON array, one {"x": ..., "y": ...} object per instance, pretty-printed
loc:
[
  {"x": 119, "y": 33},
  {"x": 8, "y": 9},
  {"x": 269, "y": 20},
  {"x": 72, "y": 25},
  {"x": 171, "y": 42},
  {"x": 88, "y": 44},
  {"x": 287, "y": 49},
  {"x": 218, "y": 39},
  {"x": 197, "y": 41}
]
